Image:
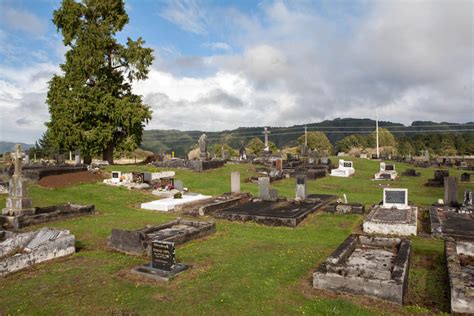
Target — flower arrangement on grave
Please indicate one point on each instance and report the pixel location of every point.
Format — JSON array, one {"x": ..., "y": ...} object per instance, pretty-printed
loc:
[{"x": 178, "y": 195}]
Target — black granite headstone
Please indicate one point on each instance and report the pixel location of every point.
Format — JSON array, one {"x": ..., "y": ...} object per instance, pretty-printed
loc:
[
  {"x": 163, "y": 255},
  {"x": 465, "y": 177},
  {"x": 395, "y": 197},
  {"x": 389, "y": 167}
]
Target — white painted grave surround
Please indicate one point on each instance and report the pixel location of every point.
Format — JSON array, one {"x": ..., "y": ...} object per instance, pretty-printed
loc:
[
  {"x": 168, "y": 204},
  {"x": 345, "y": 169}
]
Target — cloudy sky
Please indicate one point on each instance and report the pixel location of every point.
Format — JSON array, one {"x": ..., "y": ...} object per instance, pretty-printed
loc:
[{"x": 224, "y": 64}]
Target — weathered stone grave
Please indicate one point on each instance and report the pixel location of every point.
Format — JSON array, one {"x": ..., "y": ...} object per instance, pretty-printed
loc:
[
  {"x": 411, "y": 173},
  {"x": 301, "y": 187},
  {"x": 460, "y": 261},
  {"x": 454, "y": 221},
  {"x": 438, "y": 180},
  {"x": 345, "y": 169},
  {"x": 19, "y": 212},
  {"x": 344, "y": 208},
  {"x": 465, "y": 177},
  {"x": 370, "y": 266},
  {"x": 276, "y": 211},
  {"x": 386, "y": 172},
  {"x": 264, "y": 188},
  {"x": 394, "y": 216},
  {"x": 20, "y": 251},
  {"x": 163, "y": 266},
  {"x": 235, "y": 182},
  {"x": 450, "y": 191},
  {"x": 179, "y": 231}
]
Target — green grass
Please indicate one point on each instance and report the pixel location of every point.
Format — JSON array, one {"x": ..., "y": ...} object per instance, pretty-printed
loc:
[{"x": 244, "y": 268}]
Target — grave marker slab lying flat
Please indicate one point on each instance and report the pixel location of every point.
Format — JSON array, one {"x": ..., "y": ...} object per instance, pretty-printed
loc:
[
  {"x": 275, "y": 213},
  {"x": 370, "y": 266}
]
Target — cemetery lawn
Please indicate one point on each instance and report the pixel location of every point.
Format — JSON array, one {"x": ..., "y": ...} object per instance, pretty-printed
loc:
[{"x": 244, "y": 268}]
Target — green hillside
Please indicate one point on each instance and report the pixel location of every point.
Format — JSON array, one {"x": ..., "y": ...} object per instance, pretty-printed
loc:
[{"x": 182, "y": 141}]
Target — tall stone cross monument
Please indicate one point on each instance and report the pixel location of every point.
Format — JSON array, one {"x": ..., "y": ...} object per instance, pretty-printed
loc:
[
  {"x": 18, "y": 202},
  {"x": 266, "y": 132}
]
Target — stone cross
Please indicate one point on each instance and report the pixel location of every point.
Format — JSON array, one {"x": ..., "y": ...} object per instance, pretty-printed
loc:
[
  {"x": 266, "y": 132},
  {"x": 18, "y": 155}
]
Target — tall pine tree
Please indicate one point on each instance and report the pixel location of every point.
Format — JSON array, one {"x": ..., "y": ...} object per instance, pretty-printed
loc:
[{"x": 91, "y": 103}]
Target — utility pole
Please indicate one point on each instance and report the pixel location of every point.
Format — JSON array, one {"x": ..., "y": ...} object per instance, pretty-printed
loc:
[{"x": 377, "y": 132}]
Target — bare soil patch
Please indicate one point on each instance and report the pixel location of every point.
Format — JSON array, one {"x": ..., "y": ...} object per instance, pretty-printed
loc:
[{"x": 68, "y": 179}]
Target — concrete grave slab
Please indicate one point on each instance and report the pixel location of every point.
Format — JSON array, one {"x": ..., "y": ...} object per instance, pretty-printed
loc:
[
  {"x": 394, "y": 216},
  {"x": 275, "y": 213},
  {"x": 370, "y": 266},
  {"x": 20, "y": 251},
  {"x": 169, "y": 204},
  {"x": 460, "y": 261},
  {"x": 179, "y": 231}
]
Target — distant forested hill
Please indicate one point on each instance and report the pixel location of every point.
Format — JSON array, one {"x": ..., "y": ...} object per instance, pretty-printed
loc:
[
  {"x": 182, "y": 141},
  {"x": 10, "y": 146}
]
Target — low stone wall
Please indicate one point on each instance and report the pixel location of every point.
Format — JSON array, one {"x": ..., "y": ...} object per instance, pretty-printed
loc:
[
  {"x": 24, "y": 250},
  {"x": 46, "y": 214},
  {"x": 137, "y": 242},
  {"x": 461, "y": 282},
  {"x": 341, "y": 273}
]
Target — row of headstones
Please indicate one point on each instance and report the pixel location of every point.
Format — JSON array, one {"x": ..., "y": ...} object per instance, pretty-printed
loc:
[{"x": 265, "y": 192}]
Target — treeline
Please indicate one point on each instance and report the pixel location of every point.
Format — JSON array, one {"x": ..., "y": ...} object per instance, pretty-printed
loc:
[{"x": 444, "y": 144}]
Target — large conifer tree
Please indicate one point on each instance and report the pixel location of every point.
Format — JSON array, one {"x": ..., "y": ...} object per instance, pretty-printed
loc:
[{"x": 91, "y": 103}]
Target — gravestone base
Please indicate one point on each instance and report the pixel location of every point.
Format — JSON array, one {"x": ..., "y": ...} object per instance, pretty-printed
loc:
[
  {"x": 158, "y": 274},
  {"x": 370, "y": 266},
  {"x": 345, "y": 208},
  {"x": 40, "y": 215},
  {"x": 459, "y": 258},
  {"x": 385, "y": 221}
]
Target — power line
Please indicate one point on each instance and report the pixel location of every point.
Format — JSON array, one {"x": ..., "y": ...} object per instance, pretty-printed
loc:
[
  {"x": 329, "y": 132},
  {"x": 322, "y": 128}
]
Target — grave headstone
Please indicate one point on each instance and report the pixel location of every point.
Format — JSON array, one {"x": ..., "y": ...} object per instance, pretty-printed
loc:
[
  {"x": 163, "y": 255},
  {"x": 395, "y": 198},
  {"x": 235, "y": 182},
  {"x": 27, "y": 159},
  {"x": 178, "y": 185},
  {"x": 273, "y": 194},
  {"x": 465, "y": 177},
  {"x": 116, "y": 175},
  {"x": 242, "y": 153},
  {"x": 301, "y": 186},
  {"x": 324, "y": 160},
  {"x": 450, "y": 191},
  {"x": 60, "y": 159},
  {"x": 264, "y": 188},
  {"x": 468, "y": 198},
  {"x": 18, "y": 202},
  {"x": 202, "y": 142},
  {"x": 77, "y": 158}
]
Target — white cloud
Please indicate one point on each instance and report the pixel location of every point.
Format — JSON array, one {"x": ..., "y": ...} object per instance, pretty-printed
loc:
[
  {"x": 22, "y": 20},
  {"x": 22, "y": 101},
  {"x": 188, "y": 15},
  {"x": 219, "y": 46}
]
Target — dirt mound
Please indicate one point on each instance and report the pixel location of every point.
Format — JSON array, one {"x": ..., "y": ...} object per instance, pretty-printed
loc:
[{"x": 67, "y": 179}]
